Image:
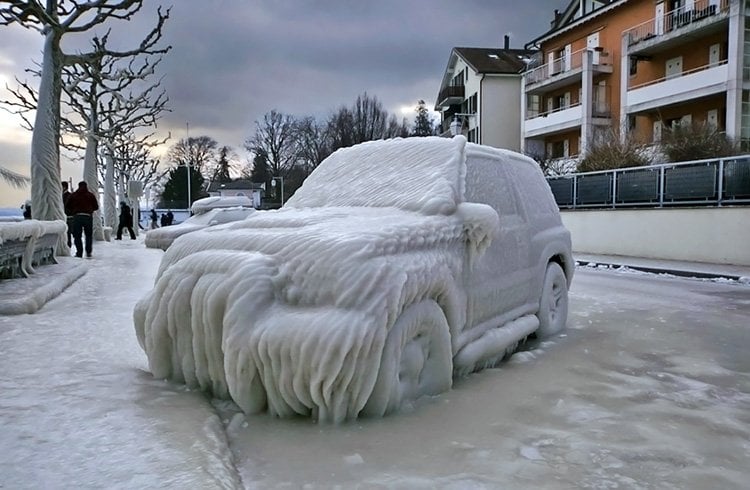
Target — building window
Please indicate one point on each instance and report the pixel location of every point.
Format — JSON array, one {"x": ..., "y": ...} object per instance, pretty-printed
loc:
[
  {"x": 472, "y": 107},
  {"x": 558, "y": 149},
  {"x": 633, "y": 66},
  {"x": 631, "y": 122}
]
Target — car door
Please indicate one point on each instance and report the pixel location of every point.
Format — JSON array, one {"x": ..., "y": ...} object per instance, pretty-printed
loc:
[{"x": 499, "y": 281}]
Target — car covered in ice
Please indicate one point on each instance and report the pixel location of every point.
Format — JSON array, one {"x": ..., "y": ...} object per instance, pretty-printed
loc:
[
  {"x": 209, "y": 211},
  {"x": 397, "y": 265}
]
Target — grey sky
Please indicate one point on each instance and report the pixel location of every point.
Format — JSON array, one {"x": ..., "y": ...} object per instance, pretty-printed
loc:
[{"x": 233, "y": 61}]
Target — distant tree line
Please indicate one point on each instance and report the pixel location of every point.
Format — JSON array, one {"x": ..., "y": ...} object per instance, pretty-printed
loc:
[{"x": 285, "y": 146}]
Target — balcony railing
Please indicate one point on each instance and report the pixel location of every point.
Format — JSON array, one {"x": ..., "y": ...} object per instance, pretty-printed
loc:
[
  {"x": 449, "y": 93},
  {"x": 676, "y": 19},
  {"x": 677, "y": 75},
  {"x": 563, "y": 64},
  {"x": 600, "y": 105},
  {"x": 716, "y": 182},
  {"x": 698, "y": 82}
]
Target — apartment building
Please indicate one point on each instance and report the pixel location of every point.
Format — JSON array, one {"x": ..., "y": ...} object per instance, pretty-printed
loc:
[
  {"x": 480, "y": 93},
  {"x": 636, "y": 66}
]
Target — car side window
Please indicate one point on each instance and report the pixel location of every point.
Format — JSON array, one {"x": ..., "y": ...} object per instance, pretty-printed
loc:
[
  {"x": 535, "y": 195},
  {"x": 487, "y": 182}
]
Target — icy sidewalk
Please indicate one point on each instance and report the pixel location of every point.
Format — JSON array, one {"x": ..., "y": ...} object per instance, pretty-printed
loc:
[
  {"x": 701, "y": 270},
  {"x": 78, "y": 407}
]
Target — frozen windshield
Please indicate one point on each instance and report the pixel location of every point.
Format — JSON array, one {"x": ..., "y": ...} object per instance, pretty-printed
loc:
[{"x": 416, "y": 174}]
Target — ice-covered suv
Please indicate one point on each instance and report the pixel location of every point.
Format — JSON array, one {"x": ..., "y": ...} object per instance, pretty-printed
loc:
[{"x": 397, "y": 265}]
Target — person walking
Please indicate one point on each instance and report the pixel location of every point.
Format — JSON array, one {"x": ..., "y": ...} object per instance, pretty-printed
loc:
[
  {"x": 81, "y": 205},
  {"x": 153, "y": 219},
  {"x": 126, "y": 221},
  {"x": 68, "y": 217}
]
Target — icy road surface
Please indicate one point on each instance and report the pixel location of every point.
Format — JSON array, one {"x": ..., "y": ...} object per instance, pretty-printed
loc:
[{"x": 650, "y": 388}]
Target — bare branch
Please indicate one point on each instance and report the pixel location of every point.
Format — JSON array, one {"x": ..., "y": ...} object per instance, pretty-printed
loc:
[{"x": 14, "y": 179}]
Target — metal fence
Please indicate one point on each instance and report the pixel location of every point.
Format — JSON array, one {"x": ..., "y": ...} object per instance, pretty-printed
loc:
[{"x": 716, "y": 182}]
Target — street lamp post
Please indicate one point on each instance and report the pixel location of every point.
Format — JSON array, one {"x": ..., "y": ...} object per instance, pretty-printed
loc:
[
  {"x": 273, "y": 184},
  {"x": 190, "y": 157}
]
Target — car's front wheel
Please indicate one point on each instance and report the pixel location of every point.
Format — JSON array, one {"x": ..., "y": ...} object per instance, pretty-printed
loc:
[
  {"x": 553, "y": 306},
  {"x": 416, "y": 359}
]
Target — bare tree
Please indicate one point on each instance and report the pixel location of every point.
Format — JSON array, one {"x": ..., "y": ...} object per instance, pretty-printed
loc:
[
  {"x": 198, "y": 152},
  {"x": 366, "y": 120},
  {"x": 54, "y": 20},
  {"x": 314, "y": 143},
  {"x": 275, "y": 136}
]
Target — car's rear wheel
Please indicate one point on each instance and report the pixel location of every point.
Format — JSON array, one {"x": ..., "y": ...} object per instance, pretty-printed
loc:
[
  {"x": 416, "y": 359},
  {"x": 553, "y": 306}
]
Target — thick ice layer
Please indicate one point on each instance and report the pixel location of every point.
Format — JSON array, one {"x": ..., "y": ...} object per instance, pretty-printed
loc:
[
  {"x": 30, "y": 231},
  {"x": 208, "y": 203},
  {"x": 424, "y": 175},
  {"x": 355, "y": 297},
  {"x": 209, "y": 216}
]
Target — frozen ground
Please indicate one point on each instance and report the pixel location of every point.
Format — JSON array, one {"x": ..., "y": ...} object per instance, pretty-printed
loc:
[{"x": 650, "y": 388}]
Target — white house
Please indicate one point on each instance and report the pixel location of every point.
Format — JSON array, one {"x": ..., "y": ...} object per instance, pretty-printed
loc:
[{"x": 481, "y": 91}]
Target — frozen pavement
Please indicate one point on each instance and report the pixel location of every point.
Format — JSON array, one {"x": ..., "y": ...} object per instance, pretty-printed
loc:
[
  {"x": 78, "y": 407},
  {"x": 649, "y": 388}
]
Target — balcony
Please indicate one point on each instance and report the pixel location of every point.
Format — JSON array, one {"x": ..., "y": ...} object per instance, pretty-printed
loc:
[
  {"x": 450, "y": 96},
  {"x": 565, "y": 70},
  {"x": 569, "y": 117},
  {"x": 553, "y": 122},
  {"x": 670, "y": 29},
  {"x": 692, "y": 84}
]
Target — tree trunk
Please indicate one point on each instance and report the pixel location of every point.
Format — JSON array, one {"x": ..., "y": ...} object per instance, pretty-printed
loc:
[
  {"x": 46, "y": 185},
  {"x": 110, "y": 197},
  {"x": 91, "y": 176}
]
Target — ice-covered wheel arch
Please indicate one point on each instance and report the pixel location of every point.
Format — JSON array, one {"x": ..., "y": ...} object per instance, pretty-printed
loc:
[
  {"x": 416, "y": 361},
  {"x": 553, "y": 304}
]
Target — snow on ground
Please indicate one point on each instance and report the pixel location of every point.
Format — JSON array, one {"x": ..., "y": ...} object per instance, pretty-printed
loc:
[
  {"x": 78, "y": 407},
  {"x": 649, "y": 388}
]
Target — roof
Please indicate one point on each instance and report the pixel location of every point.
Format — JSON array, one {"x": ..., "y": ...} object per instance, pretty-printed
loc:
[
  {"x": 571, "y": 17},
  {"x": 490, "y": 61},
  {"x": 494, "y": 60},
  {"x": 239, "y": 184}
]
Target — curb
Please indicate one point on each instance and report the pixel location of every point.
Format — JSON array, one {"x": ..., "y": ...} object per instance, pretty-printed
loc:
[{"x": 661, "y": 270}]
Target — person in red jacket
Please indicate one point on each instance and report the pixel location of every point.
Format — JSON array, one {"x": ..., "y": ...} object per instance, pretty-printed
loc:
[{"x": 81, "y": 205}]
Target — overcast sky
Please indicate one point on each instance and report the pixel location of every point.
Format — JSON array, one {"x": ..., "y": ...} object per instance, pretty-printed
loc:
[{"x": 232, "y": 61}]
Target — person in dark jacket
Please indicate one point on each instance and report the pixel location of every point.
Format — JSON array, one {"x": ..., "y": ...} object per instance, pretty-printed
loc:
[
  {"x": 153, "y": 219},
  {"x": 82, "y": 204},
  {"x": 126, "y": 221},
  {"x": 68, "y": 217}
]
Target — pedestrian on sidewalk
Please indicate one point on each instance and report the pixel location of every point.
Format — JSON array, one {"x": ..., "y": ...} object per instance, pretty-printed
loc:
[
  {"x": 126, "y": 221},
  {"x": 68, "y": 217},
  {"x": 154, "y": 217},
  {"x": 82, "y": 204}
]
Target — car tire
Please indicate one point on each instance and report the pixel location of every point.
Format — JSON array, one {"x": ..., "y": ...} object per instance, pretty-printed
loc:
[
  {"x": 416, "y": 360},
  {"x": 553, "y": 305}
]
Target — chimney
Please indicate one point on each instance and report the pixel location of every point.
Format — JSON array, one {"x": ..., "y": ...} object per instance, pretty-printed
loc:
[
  {"x": 506, "y": 43},
  {"x": 557, "y": 17}
]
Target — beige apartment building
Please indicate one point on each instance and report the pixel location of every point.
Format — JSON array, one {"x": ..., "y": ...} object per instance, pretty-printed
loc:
[
  {"x": 636, "y": 66},
  {"x": 480, "y": 93}
]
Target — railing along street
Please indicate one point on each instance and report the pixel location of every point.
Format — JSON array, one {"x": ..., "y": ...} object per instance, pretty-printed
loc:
[{"x": 712, "y": 182}]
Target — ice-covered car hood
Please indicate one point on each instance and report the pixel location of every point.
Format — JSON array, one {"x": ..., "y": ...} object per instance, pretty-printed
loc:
[{"x": 339, "y": 245}]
